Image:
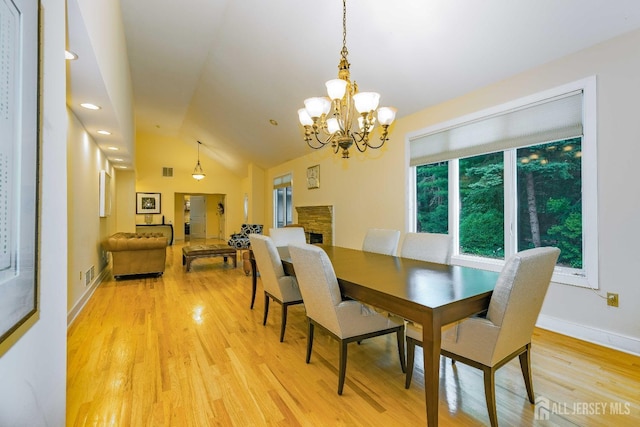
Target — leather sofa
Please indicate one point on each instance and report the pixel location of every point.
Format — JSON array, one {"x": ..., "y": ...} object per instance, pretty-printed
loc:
[{"x": 134, "y": 253}]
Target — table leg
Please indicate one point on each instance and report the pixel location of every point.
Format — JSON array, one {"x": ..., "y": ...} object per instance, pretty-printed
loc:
[
  {"x": 254, "y": 279},
  {"x": 431, "y": 336}
]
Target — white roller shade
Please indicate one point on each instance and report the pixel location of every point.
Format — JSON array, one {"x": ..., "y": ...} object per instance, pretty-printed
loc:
[{"x": 544, "y": 121}]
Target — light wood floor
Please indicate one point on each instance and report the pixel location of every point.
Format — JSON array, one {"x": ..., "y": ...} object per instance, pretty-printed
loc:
[{"x": 186, "y": 350}]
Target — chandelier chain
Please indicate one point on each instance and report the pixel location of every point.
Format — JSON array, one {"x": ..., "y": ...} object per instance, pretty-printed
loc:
[{"x": 344, "y": 52}]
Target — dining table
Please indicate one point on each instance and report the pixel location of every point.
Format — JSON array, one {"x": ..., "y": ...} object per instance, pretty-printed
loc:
[{"x": 429, "y": 294}]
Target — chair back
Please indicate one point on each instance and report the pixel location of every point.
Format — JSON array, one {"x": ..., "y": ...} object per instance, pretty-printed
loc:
[
  {"x": 381, "y": 241},
  {"x": 285, "y": 236},
  {"x": 518, "y": 295},
  {"x": 430, "y": 247},
  {"x": 274, "y": 280},
  {"x": 318, "y": 284},
  {"x": 247, "y": 229}
]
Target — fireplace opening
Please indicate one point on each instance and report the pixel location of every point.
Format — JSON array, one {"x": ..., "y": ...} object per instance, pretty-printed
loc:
[{"x": 315, "y": 238}]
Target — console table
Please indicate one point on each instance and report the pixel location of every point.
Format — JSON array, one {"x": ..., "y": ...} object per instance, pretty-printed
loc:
[{"x": 165, "y": 229}]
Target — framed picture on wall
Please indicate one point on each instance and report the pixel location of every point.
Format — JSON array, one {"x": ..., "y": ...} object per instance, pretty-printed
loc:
[
  {"x": 147, "y": 203},
  {"x": 19, "y": 169},
  {"x": 313, "y": 177}
]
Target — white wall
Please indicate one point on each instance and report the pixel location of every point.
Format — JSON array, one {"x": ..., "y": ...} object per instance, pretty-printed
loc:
[
  {"x": 33, "y": 370},
  {"x": 87, "y": 229},
  {"x": 371, "y": 190}
]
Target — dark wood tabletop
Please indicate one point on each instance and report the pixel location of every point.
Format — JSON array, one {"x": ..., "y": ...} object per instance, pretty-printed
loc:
[{"x": 430, "y": 294}]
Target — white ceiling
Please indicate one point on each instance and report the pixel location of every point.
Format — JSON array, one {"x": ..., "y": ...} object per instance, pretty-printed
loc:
[{"x": 218, "y": 70}]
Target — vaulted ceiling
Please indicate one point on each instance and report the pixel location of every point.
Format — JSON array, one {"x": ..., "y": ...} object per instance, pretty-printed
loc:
[{"x": 218, "y": 71}]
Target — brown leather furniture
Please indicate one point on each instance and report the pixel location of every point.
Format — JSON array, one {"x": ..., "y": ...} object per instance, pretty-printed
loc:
[{"x": 137, "y": 253}]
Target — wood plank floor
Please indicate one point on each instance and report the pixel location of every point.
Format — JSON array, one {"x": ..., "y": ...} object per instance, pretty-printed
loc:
[{"x": 185, "y": 350}]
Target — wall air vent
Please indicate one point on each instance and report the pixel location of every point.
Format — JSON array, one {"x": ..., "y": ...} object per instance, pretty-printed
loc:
[{"x": 167, "y": 171}]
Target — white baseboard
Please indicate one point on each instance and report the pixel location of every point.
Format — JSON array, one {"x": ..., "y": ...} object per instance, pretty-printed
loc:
[
  {"x": 587, "y": 333},
  {"x": 77, "y": 308}
]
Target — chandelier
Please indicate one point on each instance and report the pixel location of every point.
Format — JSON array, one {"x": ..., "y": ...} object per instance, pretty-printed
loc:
[
  {"x": 330, "y": 120},
  {"x": 198, "y": 173}
]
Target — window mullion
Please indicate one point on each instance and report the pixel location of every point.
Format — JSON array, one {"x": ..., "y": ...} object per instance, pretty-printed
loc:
[
  {"x": 510, "y": 203},
  {"x": 454, "y": 205}
]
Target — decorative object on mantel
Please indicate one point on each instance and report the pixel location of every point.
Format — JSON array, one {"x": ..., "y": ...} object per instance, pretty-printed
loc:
[
  {"x": 148, "y": 219},
  {"x": 198, "y": 173},
  {"x": 313, "y": 177},
  {"x": 334, "y": 116}
]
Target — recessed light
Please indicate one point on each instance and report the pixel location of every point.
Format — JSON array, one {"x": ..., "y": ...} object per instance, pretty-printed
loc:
[
  {"x": 104, "y": 132},
  {"x": 118, "y": 160},
  {"x": 70, "y": 56},
  {"x": 113, "y": 148},
  {"x": 90, "y": 106}
]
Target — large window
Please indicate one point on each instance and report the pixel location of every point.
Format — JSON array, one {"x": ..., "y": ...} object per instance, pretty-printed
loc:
[
  {"x": 283, "y": 209},
  {"x": 514, "y": 189}
]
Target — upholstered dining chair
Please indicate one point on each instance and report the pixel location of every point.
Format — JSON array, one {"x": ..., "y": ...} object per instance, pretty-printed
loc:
[
  {"x": 487, "y": 343},
  {"x": 381, "y": 241},
  {"x": 282, "y": 237},
  {"x": 345, "y": 320},
  {"x": 278, "y": 286},
  {"x": 430, "y": 247}
]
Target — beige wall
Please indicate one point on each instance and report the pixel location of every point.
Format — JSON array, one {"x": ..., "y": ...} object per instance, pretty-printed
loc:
[
  {"x": 87, "y": 229},
  {"x": 125, "y": 206},
  {"x": 371, "y": 190},
  {"x": 154, "y": 152}
]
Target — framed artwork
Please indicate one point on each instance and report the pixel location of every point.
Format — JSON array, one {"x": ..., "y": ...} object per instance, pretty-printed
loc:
[
  {"x": 313, "y": 177},
  {"x": 19, "y": 168},
  {"x": 105, "y": 194},
  {"x": 147, "y": 203}
]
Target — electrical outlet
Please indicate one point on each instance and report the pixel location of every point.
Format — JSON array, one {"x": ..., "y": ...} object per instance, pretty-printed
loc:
[{"x": 612, "y": 299}]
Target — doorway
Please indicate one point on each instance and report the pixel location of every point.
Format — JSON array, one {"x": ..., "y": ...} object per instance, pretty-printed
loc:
[{"x": 200, "y": 216}]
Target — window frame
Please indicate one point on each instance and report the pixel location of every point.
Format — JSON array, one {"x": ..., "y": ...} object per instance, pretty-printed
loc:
[
  {"x": 282, "y": 182},
  {"x": 585, "y": 277}
]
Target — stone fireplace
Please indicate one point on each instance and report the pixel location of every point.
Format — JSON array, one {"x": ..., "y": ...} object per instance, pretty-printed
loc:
[{"x": 317, "y": 222}]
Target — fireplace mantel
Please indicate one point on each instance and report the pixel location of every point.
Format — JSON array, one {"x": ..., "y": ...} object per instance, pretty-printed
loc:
[{"x": 317, "y": 219}]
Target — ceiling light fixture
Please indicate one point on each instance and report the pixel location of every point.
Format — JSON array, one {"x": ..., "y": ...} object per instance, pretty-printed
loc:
[
  {"x": 198, "y": 173},
  {"x": 334, "y": 116},
  {"x": 104, "y": 132},
  {"x": 90, "y": 106},
  {"x": 70, "y": 56}
]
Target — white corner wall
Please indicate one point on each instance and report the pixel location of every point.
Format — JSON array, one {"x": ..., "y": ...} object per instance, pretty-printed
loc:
[{"x": 33, "y": 370}]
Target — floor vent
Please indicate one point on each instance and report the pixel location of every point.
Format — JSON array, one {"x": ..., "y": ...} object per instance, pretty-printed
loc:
[{"x": 167, "y": 171}]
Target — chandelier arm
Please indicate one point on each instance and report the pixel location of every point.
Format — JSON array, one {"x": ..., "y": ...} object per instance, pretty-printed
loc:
[
  {"x": 383, "y": 139},
  {"x": 315, "y": 133},
  {"x": 365, "y": 144}
]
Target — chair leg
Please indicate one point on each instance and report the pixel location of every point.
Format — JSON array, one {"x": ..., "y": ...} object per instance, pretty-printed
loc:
[
  {"x": 343, "y": 365},
  {"x": 284, "y": 321},
  {"x": 490, "y": 394},
  {"x": 309, "y": 340},
  {"x": 525, "y": 365},
  {"x": 400, "y": 337},
  {"x": 266, "y": 308},
  {"x": 411, "y": 349}
]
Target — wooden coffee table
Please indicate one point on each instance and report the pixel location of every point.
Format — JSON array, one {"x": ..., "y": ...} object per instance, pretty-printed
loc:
[{"x": 191, "y": 252}]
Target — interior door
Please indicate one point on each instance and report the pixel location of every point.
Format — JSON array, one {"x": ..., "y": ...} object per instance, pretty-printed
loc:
[{"x": 198, "y": 218}]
